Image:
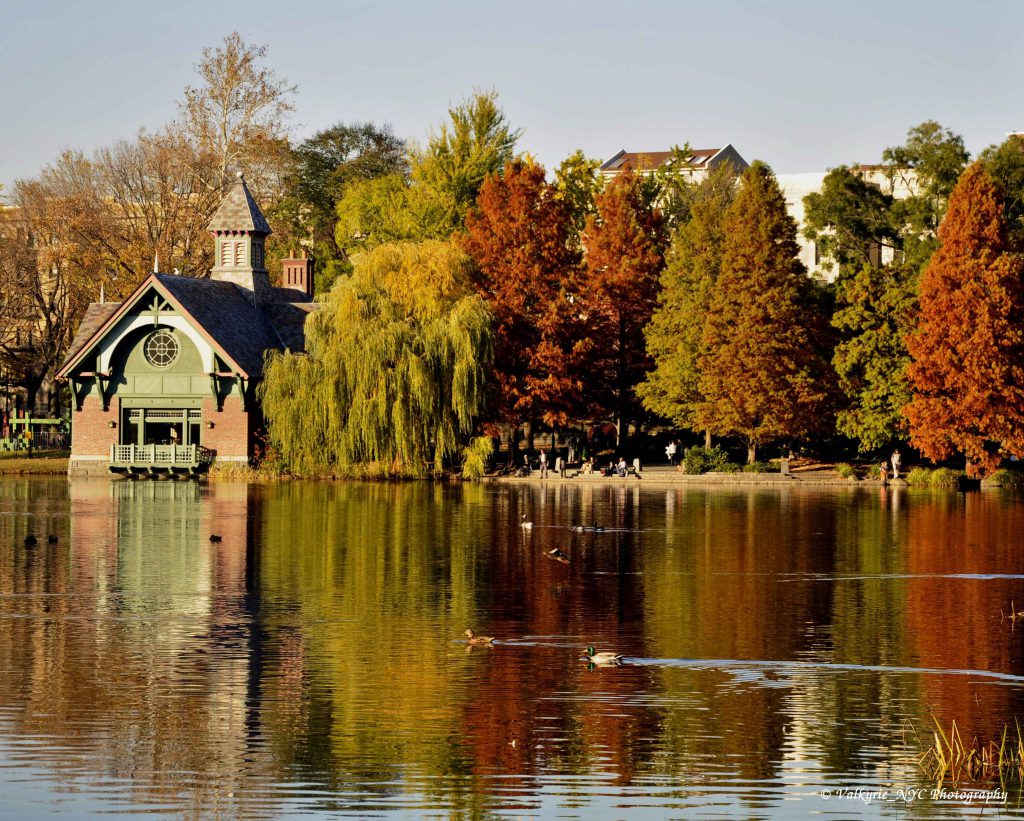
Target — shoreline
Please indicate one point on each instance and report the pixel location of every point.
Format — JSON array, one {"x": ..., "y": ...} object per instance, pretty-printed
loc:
[{"x": 667, "y": 477}]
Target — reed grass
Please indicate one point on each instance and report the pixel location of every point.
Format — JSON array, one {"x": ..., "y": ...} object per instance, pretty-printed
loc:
[{"x": 946, "y": 757}]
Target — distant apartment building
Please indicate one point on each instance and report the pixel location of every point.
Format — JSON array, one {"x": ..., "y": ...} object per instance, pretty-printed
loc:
[
  {"x": 697, "y": 163},
  {"x": 899, "y": 183}
]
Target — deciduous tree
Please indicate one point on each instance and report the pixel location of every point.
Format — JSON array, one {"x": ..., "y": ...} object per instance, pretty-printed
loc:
[
  {"x": 876, "y": 309},
  {"x": 625, "y": 252},
  {"x": 967, "y": 372},
  {"x": 238, "y": 113},
  {"x": 850, "y": 219},
  {"x": 431, "y": 202},
  {"x": 395, "y": 370},
  {"x": 764, "y": 372}
]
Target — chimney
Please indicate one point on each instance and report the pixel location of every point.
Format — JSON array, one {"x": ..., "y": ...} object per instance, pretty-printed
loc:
[{"x": 297, "y": 275}]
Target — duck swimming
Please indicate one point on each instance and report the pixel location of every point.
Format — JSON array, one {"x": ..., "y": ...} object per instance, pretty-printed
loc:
[
  {"x": 603, "y": 659},
  {"x": 526, "y": 524},
  {"x": 478, "y": 641},
  {"x": 558, "y": 555}
]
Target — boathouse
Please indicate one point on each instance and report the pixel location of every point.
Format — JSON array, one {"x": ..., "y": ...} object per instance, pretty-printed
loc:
[{"x": 164, "y": 382}]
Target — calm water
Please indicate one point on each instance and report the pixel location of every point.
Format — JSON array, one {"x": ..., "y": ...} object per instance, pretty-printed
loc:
[{"x": 311, "y": 662}]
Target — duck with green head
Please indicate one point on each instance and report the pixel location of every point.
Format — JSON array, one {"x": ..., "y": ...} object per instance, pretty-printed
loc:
[{"x": 602, "y": 659}]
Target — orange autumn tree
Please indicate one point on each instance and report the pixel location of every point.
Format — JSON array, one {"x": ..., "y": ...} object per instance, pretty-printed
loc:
[
  {"x": 625, "y": 252},
  {"x": 967, "y": 373},
  {"x": 765, "y": 373},
  {"x": 518, "y": 238}
]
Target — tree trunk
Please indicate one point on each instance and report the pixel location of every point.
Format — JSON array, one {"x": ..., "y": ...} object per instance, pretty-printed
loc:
[
  {"x": 707, "y": 439},
  {"x": 751, "y": 454},
  {"x": 513, "y": 435},
  {"x": 620, "y": 387}
]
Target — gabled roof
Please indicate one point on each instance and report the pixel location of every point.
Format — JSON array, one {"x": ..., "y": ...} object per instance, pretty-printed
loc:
[
  {"x": 650, "y": 160},
  {"x": 238, "y": 211},
  {"x": 237, "y": 331}
]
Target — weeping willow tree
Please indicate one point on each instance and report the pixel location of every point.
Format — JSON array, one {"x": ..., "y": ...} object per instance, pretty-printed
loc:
[{"x": 394, "y": 371}]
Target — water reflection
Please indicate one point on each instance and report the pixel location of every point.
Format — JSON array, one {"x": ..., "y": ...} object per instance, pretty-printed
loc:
[{"x": 311, "y": 660}]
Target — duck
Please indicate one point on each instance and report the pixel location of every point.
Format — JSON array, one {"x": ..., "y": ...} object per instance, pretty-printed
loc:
[
  {"x": 215, "y": 538},
  {"x": 578, "y": 528},
  {"x": 478, "y": 641},
  {"x": 52, "y": 539},
  {"x": 558, "y": 555},
  {"x": 31, "y": 541},
  {"x": 596, "y": 528},
  {"x": 603, "y": 658},
  {"x": 526, "y": 524}
]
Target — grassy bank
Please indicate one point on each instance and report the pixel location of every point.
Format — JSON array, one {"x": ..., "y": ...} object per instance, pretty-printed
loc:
[{"x": 42, "y": 462}]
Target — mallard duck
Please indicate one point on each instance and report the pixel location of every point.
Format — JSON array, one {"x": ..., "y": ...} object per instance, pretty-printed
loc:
[
  {"x": 478, "y": 641},
  {"x": 596, "y": 528},
  {"x": 603, "y": 658},
  {"x": 52, "y": 539},
  {"x": 31, "y": 541},
  {"x": 526, "y": 523},
  {"x": 215, "y": 538},
  {"x": 578, "y": 528},
  {"x": 558, "y": 555}
]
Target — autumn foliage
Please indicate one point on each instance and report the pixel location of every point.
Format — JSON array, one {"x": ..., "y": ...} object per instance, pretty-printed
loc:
[
  {"x": 967, "y": 373},
  {"x": 765, "y": 373},
  {"x": 625, "y": 252},
  {"x": 518, "y": 238}
]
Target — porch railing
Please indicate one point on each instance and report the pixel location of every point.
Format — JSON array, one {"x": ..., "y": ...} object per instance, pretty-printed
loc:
[{"x": 157, "y": 456}]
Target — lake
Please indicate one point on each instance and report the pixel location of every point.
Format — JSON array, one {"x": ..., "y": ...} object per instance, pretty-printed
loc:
[{"x": 778, "y": 643}]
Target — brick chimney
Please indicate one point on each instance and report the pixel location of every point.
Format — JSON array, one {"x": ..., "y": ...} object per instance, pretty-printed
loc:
[{"x": 298, "y": 275}]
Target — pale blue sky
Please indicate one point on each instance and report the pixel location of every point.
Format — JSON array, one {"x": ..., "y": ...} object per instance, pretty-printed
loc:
[{"x": 803, "y": 85}]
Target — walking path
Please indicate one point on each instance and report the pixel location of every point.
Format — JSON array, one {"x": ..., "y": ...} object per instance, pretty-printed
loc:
[{"x": 665, "y": 475}]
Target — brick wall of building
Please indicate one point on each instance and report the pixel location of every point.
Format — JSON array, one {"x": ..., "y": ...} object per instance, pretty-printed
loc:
[
  {"x": 91, "y": 434},
  {"x": 229, "y": 435}
]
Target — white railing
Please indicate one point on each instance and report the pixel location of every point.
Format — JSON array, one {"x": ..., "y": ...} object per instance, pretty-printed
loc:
[{"x": 160, "y": 455}]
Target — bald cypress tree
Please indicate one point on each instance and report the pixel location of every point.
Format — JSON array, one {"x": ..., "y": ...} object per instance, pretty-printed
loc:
[
  {"x": 967, "y": 373},
  {"x": 625, "y": 252},
  {"x": 676, "y": 330},
  {"x": 765, "y": 372}
]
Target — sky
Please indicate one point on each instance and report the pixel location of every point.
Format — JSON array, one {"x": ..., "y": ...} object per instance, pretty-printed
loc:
[{"x": 803, "y": 85}]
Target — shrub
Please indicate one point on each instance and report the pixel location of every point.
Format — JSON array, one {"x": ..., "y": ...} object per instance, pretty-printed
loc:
[
  {"x": 706, "y": 460},
  {"x": 729, "y": 467},
  {"x": 1006, "y": 478},
  {"x": 945, "y": 478},
  {"x": 873, "y": 472},
  {"x": 919, "y": 477},
  {"x": 758, "y": 467},
  {"x": 846, "y": 471}
]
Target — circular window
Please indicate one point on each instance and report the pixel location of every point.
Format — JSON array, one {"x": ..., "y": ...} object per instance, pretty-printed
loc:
[{"x": 161, "y": 349}]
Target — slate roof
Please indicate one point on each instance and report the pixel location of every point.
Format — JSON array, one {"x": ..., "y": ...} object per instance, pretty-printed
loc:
[
  {"x": 95, "y": 316},
  {"x": 289, "y": 320},
  {"x": 220, "y": 308},
  {"x": 239, "y": 212}
]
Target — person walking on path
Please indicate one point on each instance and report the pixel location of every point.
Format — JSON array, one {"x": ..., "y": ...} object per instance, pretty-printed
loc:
[
  {"x": 543, "y": 464},
  {"x": 670, "y": 452},
  {"x": 896, "y": 464}
]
